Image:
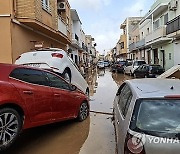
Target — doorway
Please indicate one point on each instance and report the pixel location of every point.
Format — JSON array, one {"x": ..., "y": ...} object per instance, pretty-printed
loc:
[
  {"x": 156, "y": 59},
  {"x": 163, "y": 58}
]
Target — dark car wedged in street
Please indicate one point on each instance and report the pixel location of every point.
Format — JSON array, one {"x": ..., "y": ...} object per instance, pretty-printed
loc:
[
  {"x": 31, "y": 97},
  {"x": 148, "y": 71},
  {"x": 119, "y": 66}
]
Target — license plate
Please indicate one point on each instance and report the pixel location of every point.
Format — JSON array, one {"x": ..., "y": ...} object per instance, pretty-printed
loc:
[{"x": 33, "y": 65}]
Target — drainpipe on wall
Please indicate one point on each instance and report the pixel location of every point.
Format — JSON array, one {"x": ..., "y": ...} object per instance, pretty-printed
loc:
[
  {"x": 152, "y": 27},
  {"x": 127, "y": 25}
]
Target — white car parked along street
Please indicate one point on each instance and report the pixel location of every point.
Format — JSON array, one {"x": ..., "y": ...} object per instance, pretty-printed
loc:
[
  {"x": 131, "y": 66},
  {"x": 146, "y": 116},
  {"x": 56, "y": 60}
]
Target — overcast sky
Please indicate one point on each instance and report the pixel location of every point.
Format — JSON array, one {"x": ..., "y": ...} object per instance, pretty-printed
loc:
[{"x": 102, "y": 18}]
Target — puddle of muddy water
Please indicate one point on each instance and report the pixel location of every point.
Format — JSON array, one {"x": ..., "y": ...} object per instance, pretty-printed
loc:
[{"x": 101, "y": 139}]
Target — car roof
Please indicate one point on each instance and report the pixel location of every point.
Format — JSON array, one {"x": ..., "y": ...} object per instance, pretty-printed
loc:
[
  {"x": 155, "y": 88},
  {"x": 44, "y": 50}
]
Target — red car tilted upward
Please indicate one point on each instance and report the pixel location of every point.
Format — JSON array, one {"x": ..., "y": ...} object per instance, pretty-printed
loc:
[{"x": 32, "y": 97}]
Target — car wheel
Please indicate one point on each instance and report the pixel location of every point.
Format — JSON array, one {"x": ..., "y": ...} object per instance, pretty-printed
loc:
[
  {"x": 10, "y": 127},
  {"x": 83, "y": 111},
  {"x": 66, "y": 75},
  {"x": 145, "y": 76}
]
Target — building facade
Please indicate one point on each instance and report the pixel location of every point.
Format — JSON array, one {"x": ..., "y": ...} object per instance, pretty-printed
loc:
[{"x": 27, "y": 24}]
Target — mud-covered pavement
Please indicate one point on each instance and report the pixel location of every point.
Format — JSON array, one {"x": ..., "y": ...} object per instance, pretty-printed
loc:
[{"x": 93, "y": 136}]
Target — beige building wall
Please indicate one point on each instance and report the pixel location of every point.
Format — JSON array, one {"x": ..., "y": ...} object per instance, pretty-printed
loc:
[
  {"x": 22, "y": 22},
  {"x": 5, "y": 32},
  {"x": 5, "y": 41},
  {"x": 123, "y": 38},
  {"x": 23, "y": 41}
]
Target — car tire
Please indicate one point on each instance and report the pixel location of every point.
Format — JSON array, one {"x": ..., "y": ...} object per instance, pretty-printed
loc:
[
  {"x": 83, "y": 112},
  {"x": 66, "y": 75},
  {"x": 10, "y": 127}
]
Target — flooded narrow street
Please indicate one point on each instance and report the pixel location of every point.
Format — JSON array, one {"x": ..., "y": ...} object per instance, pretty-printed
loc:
[{"x": 93, "y": 136}]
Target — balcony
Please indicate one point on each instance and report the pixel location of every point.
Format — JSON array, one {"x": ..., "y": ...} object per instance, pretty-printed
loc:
[
  {"x": 40, "y": 18},
  {"x": 137, "y": 45},
  {"x": 75, "y": 41},
  {"x": 140, "y": 43},
  {"x": 62, "y": 27},
  {"x": 157, "y": 36},
  {"x": 132, "y": 47},
  {"x": 37, "y": 11},
  {"x": 173, "y": 26}
]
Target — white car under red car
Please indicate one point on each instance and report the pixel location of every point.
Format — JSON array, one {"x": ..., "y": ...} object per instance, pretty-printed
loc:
[{"x": 56, "y": 60}]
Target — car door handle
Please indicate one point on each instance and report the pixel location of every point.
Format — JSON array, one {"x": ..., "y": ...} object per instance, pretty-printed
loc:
[
  {"x": 28, "y": 92},
  {"x": 57, "y": 95}
]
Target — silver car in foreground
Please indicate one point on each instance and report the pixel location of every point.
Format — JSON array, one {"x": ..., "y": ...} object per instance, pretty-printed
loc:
[{"x": 147, "y": 116}]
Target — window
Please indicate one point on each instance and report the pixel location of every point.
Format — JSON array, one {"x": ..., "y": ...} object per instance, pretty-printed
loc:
[
  {"x": 147, "y": 30},
  {"x": 30, "y": 76},
  {"x": 170, "y": 56},
  {"x": 57, "y": 82},
  {"x": 125, "y": 99},
  {"x": 142, "y": 34},
  {"x": 122, "y": 45},
  {"x": 156, "y": 24},
  {"x": 46, "y": 6}
]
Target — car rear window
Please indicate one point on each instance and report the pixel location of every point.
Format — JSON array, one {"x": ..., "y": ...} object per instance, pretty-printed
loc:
[
  {"x": 138, "y": 63},
  {"x": 158, "y": 116},
  {"x": 156, "y": 67},
  {"x": 122, "y": 62}
]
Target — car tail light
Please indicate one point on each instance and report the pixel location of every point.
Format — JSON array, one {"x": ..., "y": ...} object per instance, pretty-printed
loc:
[
  {"x": 172, "y": 96},
  {"x": 133, "y": 145},
  {"x": 58, "y": 55},
  {"x": 18, "y": 57}
]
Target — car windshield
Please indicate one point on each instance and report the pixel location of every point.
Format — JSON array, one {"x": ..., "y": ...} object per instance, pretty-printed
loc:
[
  {"x": 138, "y": 63},
  {"x": 159, "y": 116}
]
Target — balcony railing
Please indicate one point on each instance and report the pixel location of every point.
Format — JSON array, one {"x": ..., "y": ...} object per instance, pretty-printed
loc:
[
  {"x": 132, "y": 46},
  {"x": 62, "y": 26},
  {"x": 173, "y": 25},
  {"x": 140, "y": 43},
  {"x": 75, "y": 40},
  {"x": 137, "y": 45},
  {"x": 156, "y": 34}
]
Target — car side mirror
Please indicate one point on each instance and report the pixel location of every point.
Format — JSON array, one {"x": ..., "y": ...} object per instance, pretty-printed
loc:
[{"x": 73, "y": 87}]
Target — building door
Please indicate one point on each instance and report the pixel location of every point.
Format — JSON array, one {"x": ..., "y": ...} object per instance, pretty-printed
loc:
[
  {"x": 156, "y": 59},
  {"x": 76, "y": 59},
  {"x": 163, "y": 58}
]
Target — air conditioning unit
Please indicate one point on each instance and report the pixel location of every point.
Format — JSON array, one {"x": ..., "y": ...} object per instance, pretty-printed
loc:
[
  {"x": 61, "y": 6},
  {"x": 173, "y": 4}
]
